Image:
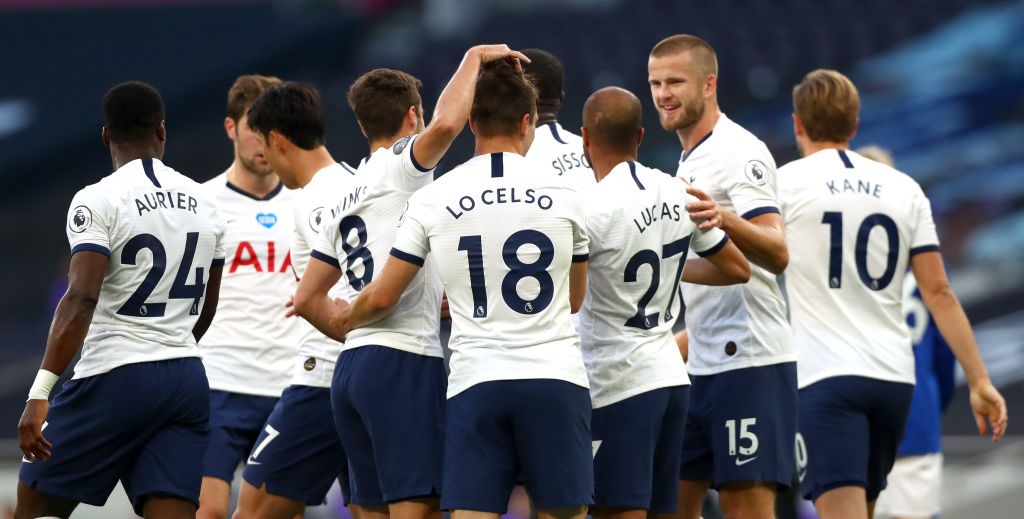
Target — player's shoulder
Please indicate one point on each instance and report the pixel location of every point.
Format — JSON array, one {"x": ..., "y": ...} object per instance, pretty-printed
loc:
[
  {"x": 736, "y": 144},
  {"x": 217, "y": 182}
]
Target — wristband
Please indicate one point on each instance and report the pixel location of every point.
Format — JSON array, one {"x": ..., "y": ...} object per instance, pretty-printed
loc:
[{"x": 42, "y": 385}]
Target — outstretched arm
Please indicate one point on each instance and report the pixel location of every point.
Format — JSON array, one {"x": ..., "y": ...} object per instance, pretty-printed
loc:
[
  {"x": 70, "y": 325},
  {"x": 311, "y": 300},
  {"x": 727, "y": 266},
  {"x": 938, "y": 296},
  {"x": 378, "y": 299},
  {"x": 455, "y": 102},
  {"x": 762, "y": 239}
]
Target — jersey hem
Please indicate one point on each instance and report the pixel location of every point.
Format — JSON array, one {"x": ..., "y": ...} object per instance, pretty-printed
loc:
[
  {"x": 250, "y": 391},
  {"x": 751, "y": 363},
  {"x": 604, "y": 401},
  {"x": 415, "y": 351},
  {"x": 803, "y": 383},
  {"x": 454, "y": 390},
  {"x": 93, "y": 372}
]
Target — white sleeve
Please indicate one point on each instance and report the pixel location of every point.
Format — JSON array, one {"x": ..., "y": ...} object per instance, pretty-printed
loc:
[
  {"x": 404, "y": 173},
  {"x": 90, "y": 218},
  {"x": 324, "y": 248},
  {"x": 220, "y": 247},
  {"x": 580, "y": 238},
  {"x": 411, "y": 241},
  {"x": 751, "y": 184}
]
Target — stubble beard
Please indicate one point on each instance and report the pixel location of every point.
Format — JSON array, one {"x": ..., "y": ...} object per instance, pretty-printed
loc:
[{"x": 692, "y": 114}]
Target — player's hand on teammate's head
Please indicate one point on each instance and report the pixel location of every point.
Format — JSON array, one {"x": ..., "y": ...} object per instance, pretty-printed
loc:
[
  {"x": 705, "y": 212},
  {"x": 30, "y": 431},
  {"x": 987, "y": 403},
  {"x": 489, "y": 53}
]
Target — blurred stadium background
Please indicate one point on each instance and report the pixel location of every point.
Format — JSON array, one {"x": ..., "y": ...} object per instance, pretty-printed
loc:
[{"x": 942, "y": 85}]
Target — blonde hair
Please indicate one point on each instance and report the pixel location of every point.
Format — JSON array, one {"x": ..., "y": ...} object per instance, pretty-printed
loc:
[
  {"x": 827, "y": 103},
  {"x": 877, "y": 154},
  {"x": 703, "y": 55}
]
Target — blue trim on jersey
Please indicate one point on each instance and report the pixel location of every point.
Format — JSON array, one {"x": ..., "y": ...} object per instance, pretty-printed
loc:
[
  {"x": 412, "y": 157},
  {"x": 924, "y": 248},
  {"x": 347, "y": 168},
  {"x": 580, "y": 258},
  {"x": 632, "y": 171},
  {"x": 759, "y": 211},
  {"x": 554, "y": 133},
  {"x": 147, "y": 166},
  {"x": 405, "y": 256},
  {"x": 497, "y": 165},
  {"x": 277, "y": 190},
  {"x": 326, "y": 258},
  {"x": 713, "y": 250},
  {"x": 845, "y": 159},
  {"x": 217, "y": 262},
  {"x": 686, "y": 154},
  {"x": 90, "y": 247}
]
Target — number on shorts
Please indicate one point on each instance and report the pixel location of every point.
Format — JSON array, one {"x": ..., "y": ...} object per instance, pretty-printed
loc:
[
  {"x": 801, "y": 456},
  {"x": 271, "y": 434},
  {"x": 745, "y": 434}
]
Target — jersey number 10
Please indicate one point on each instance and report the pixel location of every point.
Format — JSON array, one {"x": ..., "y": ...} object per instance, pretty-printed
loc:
[{"x": 860, "y": 251}]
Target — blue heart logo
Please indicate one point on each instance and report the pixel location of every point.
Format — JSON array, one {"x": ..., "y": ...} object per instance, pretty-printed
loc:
[{"x": 267, "y": 219}]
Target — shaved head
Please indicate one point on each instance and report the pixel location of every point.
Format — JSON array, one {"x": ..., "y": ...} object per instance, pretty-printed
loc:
[{"x": 613, "y": 118}]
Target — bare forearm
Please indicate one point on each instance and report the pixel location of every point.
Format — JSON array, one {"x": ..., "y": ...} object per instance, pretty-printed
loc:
[
  {"x": 317, "y": 311},
  {"x": 702, "y": 272},
  {"x": 70, "y": 325},
  {"x": 956, "y": 329},
  {"x": 763, "y": 245}
]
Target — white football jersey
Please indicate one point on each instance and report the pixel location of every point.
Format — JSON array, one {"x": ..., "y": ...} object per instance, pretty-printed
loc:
[
  {"x": 736, "y": 326},
  {"x": 358, "y": 242},
  {"x": 639, "y": 234},
  {"x": 332, "y": 190},
  {"x": 162, "y": 233},
  {"x": 561, "y": 152},
  {"x": 250, "y": 346},
  {"x": 504, "y": 235},
  {"x": 852, "y": 226}
]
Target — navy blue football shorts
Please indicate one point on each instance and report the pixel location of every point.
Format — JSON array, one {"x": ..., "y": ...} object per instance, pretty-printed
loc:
[
  {"x": 389, "y": 412},
  {"x": 850, "y": 429},
  {"x": 298, "y": 454},
  {"x": 236, "y": 420},
  {"x": 637, "y": 445},
  {"x": 499, "y": 431},
  {"x": 145, "y": 424},
  {"x": 741, "y": 426}
]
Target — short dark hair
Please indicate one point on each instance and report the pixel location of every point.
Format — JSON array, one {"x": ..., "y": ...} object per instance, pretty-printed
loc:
[
  {"x": 380, "y": 99},
  {"x": 503, "y": 95},
  {"x": 245, "y": 90},
  {"x": 292, "y": 108},
  {"x": 132, "y": 110},
  {"x": 547, "y": 72}
]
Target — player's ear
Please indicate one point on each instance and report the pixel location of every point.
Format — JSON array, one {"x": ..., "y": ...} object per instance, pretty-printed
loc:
[
  {"x": 161, "y": 132},
  {"x": 472, "y": 126},
  {"x": 412, "y": 117},
  {"x": 229, "y": 127},
  {"x": 525, "y": 123},
  {"x": 362, "y": 129},
  {"x": 639, "y": 137},
  {"x": 585, "y": 133},
  {"x": 105, "y": 135},
  {"x": 856, "y": 126},
  {"x": 711, "y": 86},
  {"x": 798, "y": 126}
]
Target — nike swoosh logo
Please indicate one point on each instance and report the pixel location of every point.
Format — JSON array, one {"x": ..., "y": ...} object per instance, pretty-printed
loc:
[
  {"x": 252, "y": 462},
  {"x": 744, "y": 462},
  {"x": 802, "y": 475}
]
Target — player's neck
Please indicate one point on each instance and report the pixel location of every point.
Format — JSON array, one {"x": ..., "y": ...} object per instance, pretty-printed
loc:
[
  {"x": 692, "y": 135},
  {"x": 604, "y": 163},
  {"x": 386, "y": 142},
  {"x": 121, "y": 154},
  {"x": 487, "y": 145},
  {"x": 310, "y": 162},
  {"x": 809, "y": 147},
  {"x": 547, "y": 111},
  {"x": 252, "y": 183}
]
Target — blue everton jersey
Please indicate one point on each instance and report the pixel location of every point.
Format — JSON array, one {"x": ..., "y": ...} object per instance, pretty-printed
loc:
[{"x": 934, "y": 364}]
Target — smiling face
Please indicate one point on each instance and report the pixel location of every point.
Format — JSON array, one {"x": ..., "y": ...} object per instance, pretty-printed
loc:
[{"x": 679, "y": 90}]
